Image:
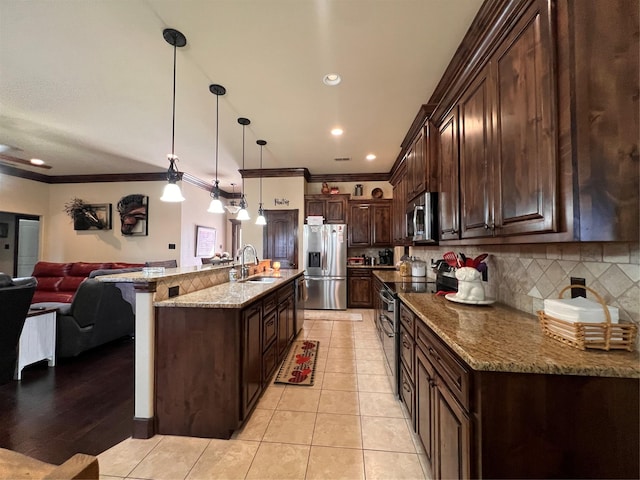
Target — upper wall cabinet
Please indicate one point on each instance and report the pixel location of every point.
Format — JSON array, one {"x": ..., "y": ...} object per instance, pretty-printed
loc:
[
  {"x": 332, "y": 207},
  {"x": 370, "y": 223},
  {"x": 507, "y": 136},
  {"x": 539, "y": 112}
]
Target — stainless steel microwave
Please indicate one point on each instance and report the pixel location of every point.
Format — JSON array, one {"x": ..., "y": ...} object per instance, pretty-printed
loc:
[{"x": 422, "y": 218}]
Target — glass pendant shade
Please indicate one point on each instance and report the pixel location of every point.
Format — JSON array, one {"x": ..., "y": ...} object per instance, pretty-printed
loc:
[
  {"x": 172, "y": 193},
  {"x": 243, "y": 213},
  {"x": 216, "y": 206},
  {"x": 261, "y": 220},
  {"x": 232, "y": 207}
]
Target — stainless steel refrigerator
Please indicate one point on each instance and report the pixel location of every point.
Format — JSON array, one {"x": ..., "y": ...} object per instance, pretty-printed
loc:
[{"x": 325, "y": 266}]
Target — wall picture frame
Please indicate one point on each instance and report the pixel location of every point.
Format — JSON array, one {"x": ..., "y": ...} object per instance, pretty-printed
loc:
[
  {"x": 94, "y": 216},
  {"x": 134, "y": 215},
  {"x": 205, "y": 241},
  {"x": 4, "y": 230}
]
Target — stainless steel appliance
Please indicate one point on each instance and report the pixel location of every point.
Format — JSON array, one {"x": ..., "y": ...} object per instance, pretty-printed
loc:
[
  {"x": 325, "y": 266},
  {"x": 422, "y": 218},
  {"x": 387, "y": 322}
]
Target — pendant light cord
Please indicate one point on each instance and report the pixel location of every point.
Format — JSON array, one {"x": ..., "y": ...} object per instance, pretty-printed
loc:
[
  {"x": 173, "y": 123},
  {"x": 260, "y": 175},
  {"x": 217, "y": 129},
  {"x": 243, "y": 159}
]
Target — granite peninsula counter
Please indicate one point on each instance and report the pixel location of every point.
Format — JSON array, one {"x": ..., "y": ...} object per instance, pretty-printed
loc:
[{"x": 202, "y": 297}]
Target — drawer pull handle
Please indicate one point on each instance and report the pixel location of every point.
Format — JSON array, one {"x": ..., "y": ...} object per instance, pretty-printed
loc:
[
  {"x": 406, "y": 387},
  {"x": 406, "y": 345}
]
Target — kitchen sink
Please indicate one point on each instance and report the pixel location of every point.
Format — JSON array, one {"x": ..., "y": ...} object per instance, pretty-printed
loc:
[{"x": 260, "y": 279}]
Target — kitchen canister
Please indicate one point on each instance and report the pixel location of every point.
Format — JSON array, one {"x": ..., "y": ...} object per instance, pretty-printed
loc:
[
  {"x": 358, "y": 190},
  {"x": 418, "y": 267}
]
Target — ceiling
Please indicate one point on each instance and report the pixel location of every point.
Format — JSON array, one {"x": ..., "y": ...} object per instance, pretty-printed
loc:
[{"x": 86, "y": 86}]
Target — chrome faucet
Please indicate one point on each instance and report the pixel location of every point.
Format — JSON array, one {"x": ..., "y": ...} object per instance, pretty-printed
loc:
[{"x": 244, "y": 270}]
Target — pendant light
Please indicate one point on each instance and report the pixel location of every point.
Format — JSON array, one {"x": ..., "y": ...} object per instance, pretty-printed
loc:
[
  {"x": 243, "y": 214},
  {"x": 172, "y": 191},
  {"x": 261, "y": 220},
  {"x": 216, "y": 204},
  {"x": 232, "y": 206}
]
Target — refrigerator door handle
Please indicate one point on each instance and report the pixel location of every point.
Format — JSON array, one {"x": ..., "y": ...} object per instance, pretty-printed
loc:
[{"x": 324, "y": 250}]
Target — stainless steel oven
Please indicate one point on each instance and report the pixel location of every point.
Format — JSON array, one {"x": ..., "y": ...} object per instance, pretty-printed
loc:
[{"x": 388, "y": 331}]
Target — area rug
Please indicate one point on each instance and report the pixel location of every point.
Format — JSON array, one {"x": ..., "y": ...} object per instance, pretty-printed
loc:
[
  {"x": 299, "y": 368},
  {"x": 335, "y": 315}
]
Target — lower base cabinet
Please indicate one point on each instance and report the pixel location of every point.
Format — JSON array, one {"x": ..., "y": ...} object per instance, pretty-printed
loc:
[
  {"x": 359, "y": 288},
  {"x": 212, "y": 364},
  {"x": 485, "y": 424}
]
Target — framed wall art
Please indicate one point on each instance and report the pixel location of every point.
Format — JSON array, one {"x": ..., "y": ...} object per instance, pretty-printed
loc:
[
  {"x": 4, "y": 230},
  {"x": 92, "y": 217},
  {"x": 134, "y": 210},
  {"x": 205, "y": 241}
]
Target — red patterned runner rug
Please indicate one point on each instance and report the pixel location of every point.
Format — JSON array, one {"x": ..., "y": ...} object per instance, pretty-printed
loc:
[{"x": 299, "y": 367}]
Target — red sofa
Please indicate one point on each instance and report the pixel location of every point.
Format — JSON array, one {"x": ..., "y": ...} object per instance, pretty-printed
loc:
[{"x": 57, "y": 282}]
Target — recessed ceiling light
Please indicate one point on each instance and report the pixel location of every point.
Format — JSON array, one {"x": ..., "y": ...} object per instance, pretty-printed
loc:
[
  {"x": 371, "y": 156},
  {"x": 331, "y": 79},
  {"x": 336, "y": 132},
  {"x": 37, "y": 161}
]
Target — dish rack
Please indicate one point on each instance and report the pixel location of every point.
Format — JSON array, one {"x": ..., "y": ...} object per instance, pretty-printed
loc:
[{"x": 601, "y": 336}]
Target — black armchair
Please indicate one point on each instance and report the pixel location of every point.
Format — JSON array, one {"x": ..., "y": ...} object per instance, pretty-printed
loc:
[
  {"x": 99, "y": 313},
  {"x": 15, "y": 299}
]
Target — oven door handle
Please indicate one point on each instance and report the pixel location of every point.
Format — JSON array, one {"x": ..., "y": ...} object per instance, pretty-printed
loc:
[
  {"x": 384, "y": 320},
  {"x": 384, "y": 297}
]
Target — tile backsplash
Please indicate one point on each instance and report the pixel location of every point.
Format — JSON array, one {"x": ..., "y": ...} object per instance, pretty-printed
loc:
[{"x": 522, "y": 276}]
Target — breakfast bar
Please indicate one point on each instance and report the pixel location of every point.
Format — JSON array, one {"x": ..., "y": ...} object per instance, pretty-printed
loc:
[{"x": 200, "y": 365}]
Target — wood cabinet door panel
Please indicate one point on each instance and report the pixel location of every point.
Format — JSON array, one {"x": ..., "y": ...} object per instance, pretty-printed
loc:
[
  {"x": 359, "y": 225},
  {"x": 526, "y": 142},
  {"x": 336, "y": 210},
  {"x": 424, "y": 412},
  {"x": 359, "y": 292},
  {"x": 449, "y": 187},
  {"x": 252, "y": 358},
  {"x": 475, "y": 159},
  {"x": 452, "y": 436},
  {"x": 313, "y": 207},
  {"x": 381, "y": 220}
]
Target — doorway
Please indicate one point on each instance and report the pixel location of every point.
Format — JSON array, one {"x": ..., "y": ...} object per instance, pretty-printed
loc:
[
  {"x": 280, "y": 237},
  {"x": 27, "y": 240}
]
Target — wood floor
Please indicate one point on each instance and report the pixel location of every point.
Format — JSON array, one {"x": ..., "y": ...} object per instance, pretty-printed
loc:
[{"x": 82, "y": 405}]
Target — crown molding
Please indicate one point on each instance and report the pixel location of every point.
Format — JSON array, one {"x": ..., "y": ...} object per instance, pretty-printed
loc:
[{"x": 275, "y": 172}]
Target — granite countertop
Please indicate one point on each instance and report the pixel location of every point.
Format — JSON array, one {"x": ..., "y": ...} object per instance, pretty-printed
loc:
[
  {"x": 231, "y": 294},
  {"x": 168, "y": 273},
  {"x": 499, "y": 338}
]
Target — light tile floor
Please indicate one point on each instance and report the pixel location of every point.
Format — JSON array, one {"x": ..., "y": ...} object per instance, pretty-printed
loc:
[{"x": 348, "y": 425}]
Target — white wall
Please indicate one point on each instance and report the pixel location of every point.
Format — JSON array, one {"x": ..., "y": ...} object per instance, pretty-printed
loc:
[
  {"x": 168, "y": 222},
  {"x": 194, "y": 212},
  {"x": 288, "y": 188}
]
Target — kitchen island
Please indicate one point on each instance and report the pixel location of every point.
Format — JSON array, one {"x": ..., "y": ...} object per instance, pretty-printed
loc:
[
  {"x": 491, "y": 396},
  {"x": 206, "y": 347}
]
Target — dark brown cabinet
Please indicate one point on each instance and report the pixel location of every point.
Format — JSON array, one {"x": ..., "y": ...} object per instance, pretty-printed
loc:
[
  {"x": 212, "y": 364},
  {"x": 476, "y": 179},
  {"x": 251, "y": 357},
  {"x": 407, "y": 353},
  {"x": 449, "y": 175},
  {"x": 399, "y": 209},
  {"x": 416, "y": 166},
  {"x": 359, "y": 288},
  {"x": 370, "y": 223},
  {"x": 286, "y": 319},
  {"x": 332, "y": 207}
]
